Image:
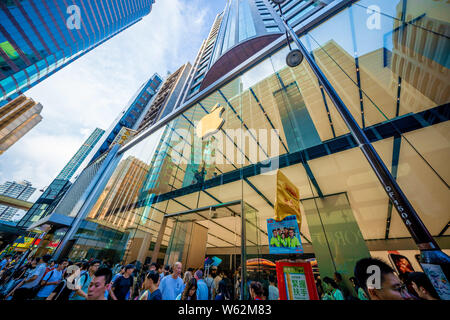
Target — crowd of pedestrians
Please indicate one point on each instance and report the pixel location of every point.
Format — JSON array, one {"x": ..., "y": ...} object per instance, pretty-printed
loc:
[
  {"x": 412, "y": 286},
  {"x": 41, "y": 278}
]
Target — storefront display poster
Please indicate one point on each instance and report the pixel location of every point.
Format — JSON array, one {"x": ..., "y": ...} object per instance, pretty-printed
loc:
[{"x": 284, "y": 236}]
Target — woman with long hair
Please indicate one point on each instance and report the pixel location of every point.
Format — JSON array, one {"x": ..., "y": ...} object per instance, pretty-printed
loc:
[
  {"x": 333, "y": 289},
  {"x": 190, "y": 291}
]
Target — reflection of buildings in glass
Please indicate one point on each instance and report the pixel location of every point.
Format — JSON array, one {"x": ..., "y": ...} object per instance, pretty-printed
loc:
[
  {"x": 241, "y": 30},
  {"x": 16, "y": 119},
  {"x": 115, "y": 205},
  {"x": 420, "y": 57}
]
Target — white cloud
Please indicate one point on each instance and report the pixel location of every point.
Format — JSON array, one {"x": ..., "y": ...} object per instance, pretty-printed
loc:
[{"x": 91, "y": 91}]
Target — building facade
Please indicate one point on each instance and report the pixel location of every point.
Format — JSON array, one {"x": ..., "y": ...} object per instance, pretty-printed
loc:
[
  {"x": 74, "y": 163},
  {"x": 38, "y": 38},
  {"x": 205, "y": 176},
  {"x": 241, "y": 30},
  {"x": 131, "y": 115},
  {"x": 83, "y": 168},
  {"x": 168, "y": 97},
  {"x": 18, "y": 190},
  {"x": 54, "y": 192},
  {"x": 16, "y": 119}
]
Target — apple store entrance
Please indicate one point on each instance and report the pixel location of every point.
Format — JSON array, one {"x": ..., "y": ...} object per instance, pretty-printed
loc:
[{"x": 229, "y": 229}]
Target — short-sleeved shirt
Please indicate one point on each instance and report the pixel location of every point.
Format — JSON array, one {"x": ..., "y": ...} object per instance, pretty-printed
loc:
[
  {"x": 3, "y": 264},
  {"x": 337, "y": 295},
  {"x": 210, "y": 283},
  {"x": 155, "y": 295},
  {"x": 170, "y": 287},
  {"x": 274, "y": 242},
  {"x": 122, "y": 287},
  {"x": 202, "y": 290},
  {"x": 84, "y": 281},
  {"x": 293, "y": 242},
  {"x": 52, "y": 276},
  {"x": 39, "y": 272},
  {"x": 273, "y": 293}
]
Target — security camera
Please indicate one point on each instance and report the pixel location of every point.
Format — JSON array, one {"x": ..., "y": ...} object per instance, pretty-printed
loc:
[{"x": 294, "y": 58}]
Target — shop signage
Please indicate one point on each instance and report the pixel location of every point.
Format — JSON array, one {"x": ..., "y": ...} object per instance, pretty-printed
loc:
[
  {"x": 284, "y": 236},
  {"x": 211, "y": 123},
  {"x": 296, "y": 281}
]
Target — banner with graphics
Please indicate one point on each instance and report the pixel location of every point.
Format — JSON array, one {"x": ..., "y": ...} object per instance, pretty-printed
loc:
[
  {"x": 296, "y": 281},
  {"x": 288, "y": 199},
  {"x": 284, "y": 236}
]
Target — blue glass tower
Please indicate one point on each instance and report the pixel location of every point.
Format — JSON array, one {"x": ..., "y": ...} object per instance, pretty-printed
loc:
[
  {"x": 131, "y": 116},
  {"x": 37, "y": 38},
  {"x": 57, "y": 188}
]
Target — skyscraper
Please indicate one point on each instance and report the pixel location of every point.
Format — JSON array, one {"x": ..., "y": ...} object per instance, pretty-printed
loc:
[
  {"x": 37, "y": 38},
  {"x": 130, "y": 115},
  {"x": 89, "y": 156},
  {"x": 16, "y": 119},
  {"x": 74, "y": 163},
  {"x": 60, "y": 184},
  {"x": 168, "y": 97},
  {"x": 240, "y": 31},
  {"x": 19, "y": 190}
]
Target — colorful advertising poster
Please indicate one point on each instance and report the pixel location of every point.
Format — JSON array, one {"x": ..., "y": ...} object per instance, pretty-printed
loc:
[
  {"x": 23, "y": 242},
  {"x": 296, "y": 281},
  {"x": 284, "y": 236}
]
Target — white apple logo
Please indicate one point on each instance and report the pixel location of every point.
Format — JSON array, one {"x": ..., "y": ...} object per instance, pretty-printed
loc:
[{"x": 211, "y": 123}]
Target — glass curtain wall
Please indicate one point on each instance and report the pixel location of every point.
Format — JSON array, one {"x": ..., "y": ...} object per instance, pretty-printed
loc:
[{"x": 228, "y": 146}]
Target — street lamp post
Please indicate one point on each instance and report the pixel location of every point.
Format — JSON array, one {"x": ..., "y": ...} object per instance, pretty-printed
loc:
[{"x": 433, "y": 260}]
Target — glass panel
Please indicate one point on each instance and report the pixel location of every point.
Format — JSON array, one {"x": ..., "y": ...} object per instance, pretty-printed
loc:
[{"x": 252, "y": 269}]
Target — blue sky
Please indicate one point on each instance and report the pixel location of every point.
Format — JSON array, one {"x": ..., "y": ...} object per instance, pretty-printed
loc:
[{"x": 91, "y": 91}]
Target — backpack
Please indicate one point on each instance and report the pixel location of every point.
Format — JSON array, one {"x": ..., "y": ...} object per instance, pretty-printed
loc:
[
  {"x": 62, "y": 289},
  {"x": 39, "y": 286}
]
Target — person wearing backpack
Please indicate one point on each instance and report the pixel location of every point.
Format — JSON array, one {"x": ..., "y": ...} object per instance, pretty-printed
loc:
[
  {"x": 64, "y": 289},
  {"x": 51, "y": 280},
  {"x": 30, "y": 286},
  {"x": 85, "y": 280}
]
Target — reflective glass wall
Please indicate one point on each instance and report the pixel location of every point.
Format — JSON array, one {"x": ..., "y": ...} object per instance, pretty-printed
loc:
[{"x": 389, "y": 69}]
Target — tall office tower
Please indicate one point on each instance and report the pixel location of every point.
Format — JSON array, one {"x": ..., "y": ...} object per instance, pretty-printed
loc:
[
  {"x": 37, "y": 38},
  {"x": 124, "y": 125},
  {"x": 241, "y": 30},
  {"x": 80, "y": 155},
  {"x": 130, "y": 115},
  {"x": 16, "y": 119},
  {"x": 17, "y": 190},
  {"x": 53, "y": 193},
  {"x": 168, "y": 97}
]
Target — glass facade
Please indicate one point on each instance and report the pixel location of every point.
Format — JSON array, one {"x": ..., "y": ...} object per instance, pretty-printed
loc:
[
  {"x": 131, "y": 115},
  {"x": 37, "y": 38},
  {"x": 16, "y": 119},
  {"x": 46, "y": 202},
  {"x": 204, "y": 184},
  {"x": 75, "y": 162}
]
